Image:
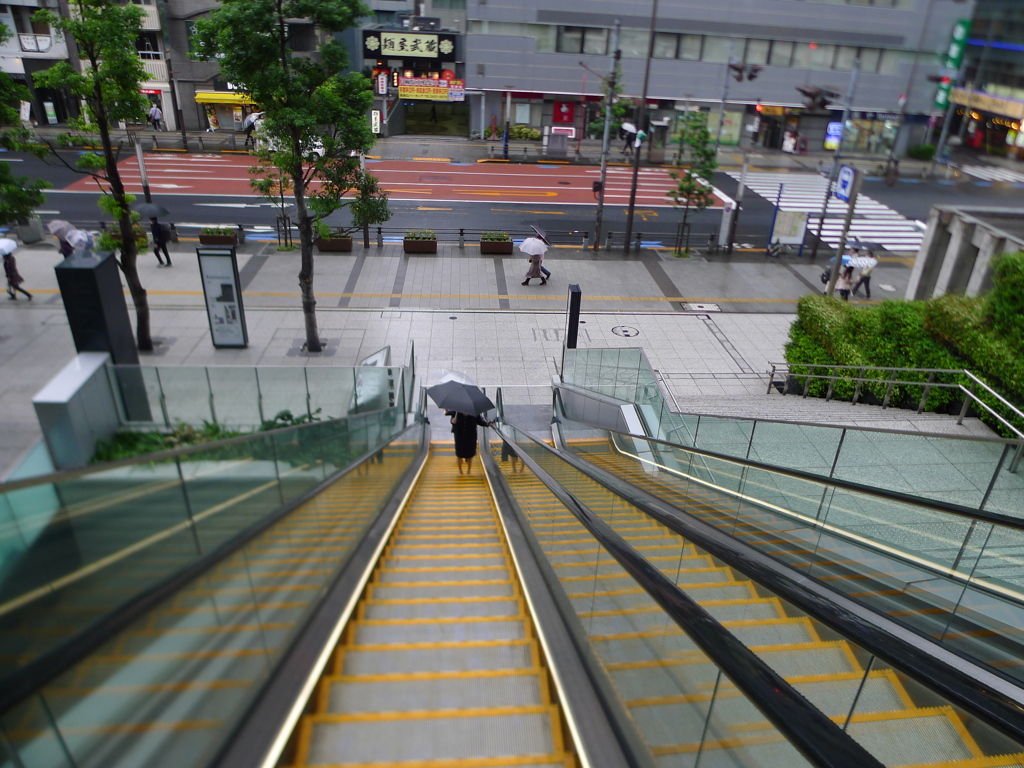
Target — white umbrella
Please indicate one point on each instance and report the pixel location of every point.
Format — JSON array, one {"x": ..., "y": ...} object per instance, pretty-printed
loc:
[
  {"x": 533, "y": 246},
  {"x": 7, "y": 246},
  {"x": 447, "y": 374},
  {"x": 59, "y": 227},
  {"x": 250, "y": 119},
  {"x": 78, "y": 238},
  {"x": 860, "y": 262},
  {"x": 629, "y": 127}
]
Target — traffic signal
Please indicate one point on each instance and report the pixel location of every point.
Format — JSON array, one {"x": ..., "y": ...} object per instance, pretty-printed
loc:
[
  {"x": 738, "y": 70},
  {"x": 753, "y": 70},
  {"x": 760, "y": 106},
  {"x": 817, "y": 98}
]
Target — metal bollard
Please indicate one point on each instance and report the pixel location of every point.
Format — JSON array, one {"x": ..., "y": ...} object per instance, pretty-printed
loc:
[
  {"x": 608, "y": 244},
  {"x": 380, "y": 237},
  {"x": 586, "y": 234},
  {"x": 241, "y": 235},
  {"x": 636, "y": 248},
  {"x": 462, "y": 238},
  {"x": 524, "y": 153}
]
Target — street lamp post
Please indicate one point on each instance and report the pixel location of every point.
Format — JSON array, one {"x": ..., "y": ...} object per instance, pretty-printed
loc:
[
  {"x": 610, "y": 86},
  {"x": 640, "y": 122},
  {"x": 725, "y": 95}
]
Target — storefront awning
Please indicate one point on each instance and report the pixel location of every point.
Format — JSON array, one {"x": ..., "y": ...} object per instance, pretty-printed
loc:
[
  {"x": 222, "y": 97},
  {"x": 987, "y": 103}
]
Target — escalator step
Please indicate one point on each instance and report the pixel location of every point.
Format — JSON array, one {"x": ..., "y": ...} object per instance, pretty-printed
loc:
[
  {"x": 436, "y": 591},
  {"x": 441, "y": 609},
  {"x": 352, "y": 695},
  {"x": 437, "y": 737},
  {"x": 434, "y": 631},
  {"x": 389, "y": 575},
  {"x": 458, "y": 658}
]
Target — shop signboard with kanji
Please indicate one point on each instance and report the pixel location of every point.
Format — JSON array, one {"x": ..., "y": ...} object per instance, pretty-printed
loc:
[
  {"x": 427, "y": 89},
  {"x": 407, "y": 45}
]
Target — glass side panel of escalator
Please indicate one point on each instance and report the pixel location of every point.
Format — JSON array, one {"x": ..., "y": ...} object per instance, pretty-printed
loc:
[
  {"x": 959, "y": 581},
  {"x": 672, "y": 690},
  {"x": 169, "y": 688}
]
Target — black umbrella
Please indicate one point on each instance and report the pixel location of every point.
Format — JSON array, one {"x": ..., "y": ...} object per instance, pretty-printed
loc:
[
  {"x": 459, "y": 397},
  {"x": 151, "y": 210},
  {"x": 540, "y": 233}
]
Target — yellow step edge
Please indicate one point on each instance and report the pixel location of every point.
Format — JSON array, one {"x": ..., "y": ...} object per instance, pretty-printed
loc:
[
  {"x": 432, "y": 620},
  {"x": 639, "y": 590},
  {"x": 436, "y": 646},
  {"x": 731, "y": 743},
  {"x": 658, "y": 609},
  {"x": 116, "y": 729},
  {"x": 676, "y": 631},
  {"x": 566, "y": 760},
  {"x": 443, "y": 569},
  {"x": 700, "y": 658},
  {"x": 681, "y": 572},
  {"x": 117, "y": 690},
  {"x": 465, "y": 675},
  {"x": 366, "y": 717}
]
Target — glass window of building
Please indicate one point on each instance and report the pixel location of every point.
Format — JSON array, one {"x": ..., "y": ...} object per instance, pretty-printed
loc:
[
  {"x": 665, "y": 45},
  {"x": 633, "y": 43},
  {"x": 869, "y": 59},
  {"x": 892, "y": 61},
  {"x": 757, "y": 51},
  {"x": 845, "y": 56},
  {"x": 820, "y": 56},
  {"x": 455, "y": 5},
  {"x": 570, "y": 39},
  {"x": 544, "y": 36},
  {"x": 689, "y": 47},
  {"x": 782, "y": 54},
  {"x": 716, "y": 49},
  {"x": 595, "y": 41}
]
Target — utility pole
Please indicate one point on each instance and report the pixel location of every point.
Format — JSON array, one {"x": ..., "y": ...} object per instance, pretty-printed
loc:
[
  {"x": 852, "y": 203},
  {"x": 725, "y": 95},
  {"x": 641, "y": 121},
  {"x": 610, "y": 84},
  {"x": 178, "y": 117},
  {"x": 734, "y": 217},
  {"x": 839, "y": 151}
]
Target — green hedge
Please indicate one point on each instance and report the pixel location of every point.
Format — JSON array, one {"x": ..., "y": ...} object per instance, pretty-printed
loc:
[{"x": 985, "y": 336}]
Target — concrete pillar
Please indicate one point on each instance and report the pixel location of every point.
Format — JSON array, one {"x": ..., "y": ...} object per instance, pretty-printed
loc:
[
  {"x": 989, "y": 246},
  {"x": 959, "y": 255}
]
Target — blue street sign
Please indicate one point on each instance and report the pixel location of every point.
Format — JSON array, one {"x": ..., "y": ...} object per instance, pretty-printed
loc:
[{"x": 844, "y": 184}]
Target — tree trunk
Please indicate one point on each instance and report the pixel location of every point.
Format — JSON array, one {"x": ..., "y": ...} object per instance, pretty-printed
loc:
[
  {"x": 686, "y": 215},
  {"x": 305, "y": 226},
  {"x": 129, "y": 251}
]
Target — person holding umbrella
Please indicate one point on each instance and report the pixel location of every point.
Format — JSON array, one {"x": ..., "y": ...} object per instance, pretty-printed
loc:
[
  {"x": 463, "y": 403},
  {"x": 60, "y": 229},
  {"x": 535, "y": 248},
  {"x": 14, "y": 278}
]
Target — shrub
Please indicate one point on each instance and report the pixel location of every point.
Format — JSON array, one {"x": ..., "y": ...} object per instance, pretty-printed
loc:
[
  {"x": 1004, "y": 305},
  {"x": 921, "y": 152},
  {"x": 420, "y": 234},
  {"x": 496, "y": 237},
  {"x": 523, "y": 133},
  {"x": 221, "y": 231}
]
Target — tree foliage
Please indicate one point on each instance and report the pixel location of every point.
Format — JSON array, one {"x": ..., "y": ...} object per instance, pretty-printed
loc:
[
  {"x": 19, "y": 195},
  {"x": 315, "y": 113},
  {"x": 621, "y": 109},
  {"x": 108, "y": 86},
  {"x": 693, "y": 182}
]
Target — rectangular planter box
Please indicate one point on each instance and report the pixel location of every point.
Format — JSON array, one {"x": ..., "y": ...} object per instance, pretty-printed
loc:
[
  {"x": 503, "y": 247},
  {"x": 218, "y": 239},
  {"x": 334, "y": 244},
  {"x": 419, "y": 246}
]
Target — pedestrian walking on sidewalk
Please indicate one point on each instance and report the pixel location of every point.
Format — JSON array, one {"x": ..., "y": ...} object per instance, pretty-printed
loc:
[
  {"x": 155, "y": 115},
  {"x": 535, "y": 248},
  {"x": 844, "y": 282},
  {"x": 14, "y": 278},
  {"x": 534, "y": 271},
  {"x": 160, "y": 237},
  {"x": 865, "y": 277}
]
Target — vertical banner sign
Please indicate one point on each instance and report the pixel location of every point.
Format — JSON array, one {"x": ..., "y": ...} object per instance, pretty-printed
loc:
[
  {"x": 375, "y": 120},
  {"x": 954, "y": 58},
  {"x": 218, "y": 268},
  {"x": 572, "y": 316},
  {"x": 382, "y": 83}
]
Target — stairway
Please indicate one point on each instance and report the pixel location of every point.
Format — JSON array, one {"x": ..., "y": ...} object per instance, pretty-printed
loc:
[
  {"x": 162, "y": 693},
  {"x": 984, "y": 627},
  {"x": 440, "y": 665},
  {"x": 668, "y": 685}
]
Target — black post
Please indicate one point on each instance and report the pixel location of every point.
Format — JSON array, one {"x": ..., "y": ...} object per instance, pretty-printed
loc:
[
  {"x": 641, "y": 119},
  {"x": 572, "y": 316}
]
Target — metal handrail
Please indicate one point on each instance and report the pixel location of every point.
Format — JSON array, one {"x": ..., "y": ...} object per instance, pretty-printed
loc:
[
  {"x": 31, "y": 676},
  {"x": 891, "y": 382},
  {"x": 161, "y": 456},
  {"x": 758, "y": 419},
  {"x": 945, "y": 507},
  {"x": 813, "y": 734}
]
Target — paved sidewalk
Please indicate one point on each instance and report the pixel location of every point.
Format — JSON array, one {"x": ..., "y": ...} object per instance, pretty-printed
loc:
[{"x": 460, "y": 309}]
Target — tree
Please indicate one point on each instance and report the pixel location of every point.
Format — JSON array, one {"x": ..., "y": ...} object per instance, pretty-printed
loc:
[
  {"x": 314, "y": 121},
  {"x": 19, "y": 195},
  {"x": 108, "y": 85},
  {"x": 621, "y": 110},
  {"x": 693, "y": 183},
  {"x": 368, "y": 206}
]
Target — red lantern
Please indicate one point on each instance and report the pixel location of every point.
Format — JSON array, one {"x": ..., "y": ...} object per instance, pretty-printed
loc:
[{"x": 447, "y": 75}]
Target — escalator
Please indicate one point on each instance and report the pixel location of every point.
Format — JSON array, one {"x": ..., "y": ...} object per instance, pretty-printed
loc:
[
  {"x": 667, "y": 686},
  {"x": 394, "y": 612},
  {"x": 440, "y": 662}
]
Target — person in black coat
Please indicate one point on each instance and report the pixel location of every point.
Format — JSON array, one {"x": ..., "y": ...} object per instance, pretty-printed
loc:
[
  {"x": 159, "y": 241},
  {"x": 464, "y": 428}
]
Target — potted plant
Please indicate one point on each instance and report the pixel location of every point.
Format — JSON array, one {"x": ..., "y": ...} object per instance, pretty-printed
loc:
[
  {"x": 218, "y": 236},
  {"x": 496, "y": 243},
  {"x": 420, "y": 241},
  {"x": 333, "y": 239}
]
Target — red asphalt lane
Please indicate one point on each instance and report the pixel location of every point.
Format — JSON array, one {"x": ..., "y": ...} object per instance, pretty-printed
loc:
[{"x": 544, "y": 184}]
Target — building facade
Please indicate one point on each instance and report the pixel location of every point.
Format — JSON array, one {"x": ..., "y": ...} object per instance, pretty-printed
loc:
[
  {"x": 989, "y": 102},
  {"x": 32, "y": 47}
]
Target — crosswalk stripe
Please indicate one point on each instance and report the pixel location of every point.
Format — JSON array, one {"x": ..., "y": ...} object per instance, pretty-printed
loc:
[
  {"x": 873, "y": 221},
  {"x": 992, "y": 173}
]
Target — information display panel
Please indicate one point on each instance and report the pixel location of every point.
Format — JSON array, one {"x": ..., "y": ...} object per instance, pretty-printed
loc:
[{"x": 222, "y": 289}]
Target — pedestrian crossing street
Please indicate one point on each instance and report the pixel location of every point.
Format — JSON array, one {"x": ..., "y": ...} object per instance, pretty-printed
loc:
[
  {"x": 873, "y": 221},
  {"x": 993, "y": 173}
]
